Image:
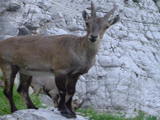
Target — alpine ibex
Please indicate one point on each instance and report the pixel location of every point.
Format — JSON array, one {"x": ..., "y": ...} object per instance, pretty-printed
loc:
[{"x": 65, "y": 56}]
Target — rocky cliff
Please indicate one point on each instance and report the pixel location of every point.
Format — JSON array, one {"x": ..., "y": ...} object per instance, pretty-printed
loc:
[{"x": 126, "y": 76}]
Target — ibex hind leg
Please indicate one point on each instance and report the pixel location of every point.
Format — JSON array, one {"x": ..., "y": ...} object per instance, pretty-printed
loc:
[
  {"x": 55, "y": 96},
  {"x": 25, "y": 82},
  {"x": 9, "y": 73}
]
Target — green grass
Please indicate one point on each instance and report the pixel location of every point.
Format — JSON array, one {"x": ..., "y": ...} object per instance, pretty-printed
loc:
[
  {"x": 4, "y": 104},
  {"x": 95, "y": 115}
]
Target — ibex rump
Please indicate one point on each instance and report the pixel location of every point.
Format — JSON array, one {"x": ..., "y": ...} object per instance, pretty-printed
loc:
[{"x": 65, "y": 56}]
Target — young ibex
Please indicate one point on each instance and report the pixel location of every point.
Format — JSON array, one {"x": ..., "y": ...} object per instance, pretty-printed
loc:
[
  {"x": 65, "y": 56},
  {"x": 48, "y": 85}
]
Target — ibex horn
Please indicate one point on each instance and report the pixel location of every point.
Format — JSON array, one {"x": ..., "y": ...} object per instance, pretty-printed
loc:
[
  {"x": 80, "y": 105},
  {"x": 93, "y": 11},
  {"x": 109, "y": 13}
]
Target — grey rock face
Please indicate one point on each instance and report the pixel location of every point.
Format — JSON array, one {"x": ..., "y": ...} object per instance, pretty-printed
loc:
[{"x": 126, "y": 76}]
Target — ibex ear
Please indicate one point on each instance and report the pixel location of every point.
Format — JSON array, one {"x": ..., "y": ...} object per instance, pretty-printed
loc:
[
  {"x": 85, "y": 15},
  {"x": 114, "y": 20}
]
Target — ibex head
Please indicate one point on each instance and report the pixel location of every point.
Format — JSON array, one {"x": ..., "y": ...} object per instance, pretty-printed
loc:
[{"x": 96, "y": 27}]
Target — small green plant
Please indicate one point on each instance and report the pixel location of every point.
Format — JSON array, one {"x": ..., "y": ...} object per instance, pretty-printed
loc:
[
  {"x": 151, "y": 118},
  {"x": 155, "y": 1},
  {"x": 136, "y": 74},
  {"x": 158, "y": 8},
  {"x": 141, "y": 115},
  {"x": 136, "y": 1},
  {"x": 24, "y": 4},
  {"x": 4, "y": 104},
  {"x": 1, "y": 76}
]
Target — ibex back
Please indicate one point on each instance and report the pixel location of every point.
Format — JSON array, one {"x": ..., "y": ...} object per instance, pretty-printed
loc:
[{"x": 65, "y": 56}]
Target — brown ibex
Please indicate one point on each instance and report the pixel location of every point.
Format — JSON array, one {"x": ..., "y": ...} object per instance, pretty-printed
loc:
[
  {"x": 49, "y": 87},
  {"x": 65, "y": 56}
]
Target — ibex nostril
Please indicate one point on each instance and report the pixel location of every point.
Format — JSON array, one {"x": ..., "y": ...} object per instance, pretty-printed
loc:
[{"x": 93, "y": 37}]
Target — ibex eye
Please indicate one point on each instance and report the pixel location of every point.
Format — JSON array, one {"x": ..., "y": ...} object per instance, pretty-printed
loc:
[
  {"x": 87, "y": 24},
  {"x": 106, "y": 27}
]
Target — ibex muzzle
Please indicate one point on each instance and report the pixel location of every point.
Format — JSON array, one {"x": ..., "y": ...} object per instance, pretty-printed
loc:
[{"x": 64, "y": 56}]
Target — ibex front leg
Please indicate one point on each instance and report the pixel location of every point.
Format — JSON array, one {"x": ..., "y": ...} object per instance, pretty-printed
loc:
[
  {"x": 60, "y": 80},
  {"x": 71, "y": 86},
  {"x": 9, "y": 73}
]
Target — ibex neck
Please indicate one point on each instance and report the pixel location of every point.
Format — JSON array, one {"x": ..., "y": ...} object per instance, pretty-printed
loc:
[{"x": 91, "y": 48}]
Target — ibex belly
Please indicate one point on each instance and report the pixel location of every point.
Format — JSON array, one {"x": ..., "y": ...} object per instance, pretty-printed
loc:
[{"x": 36, "y": 73}]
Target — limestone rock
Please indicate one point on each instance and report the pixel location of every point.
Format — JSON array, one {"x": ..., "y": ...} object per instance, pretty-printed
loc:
[
  {"x": 40, "y": 114},
  {"x": 13, "y": 7}
]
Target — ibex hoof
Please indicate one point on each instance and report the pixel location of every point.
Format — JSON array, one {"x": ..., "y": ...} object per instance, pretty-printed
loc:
[
  {"x": 33, "y": 107},
  {"x": 74, "y": 116},
  {"x": 68, "y": 115},
  {"x": 14, "y": 110}
]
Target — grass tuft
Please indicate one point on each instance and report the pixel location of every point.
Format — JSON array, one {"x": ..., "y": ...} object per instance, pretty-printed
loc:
[
  {"x": 4, "y": 104},
  {"x": 96, "y": 115}
]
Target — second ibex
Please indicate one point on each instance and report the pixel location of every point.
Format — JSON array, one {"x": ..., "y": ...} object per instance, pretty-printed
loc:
[{"x": 65, "y": 56}]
